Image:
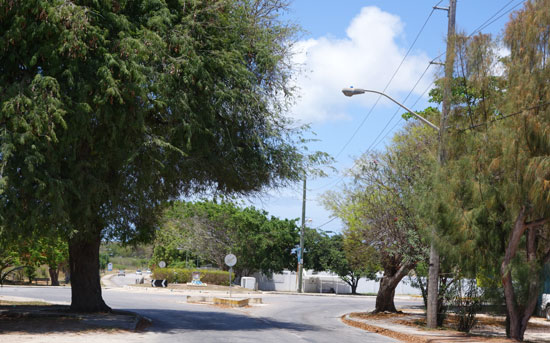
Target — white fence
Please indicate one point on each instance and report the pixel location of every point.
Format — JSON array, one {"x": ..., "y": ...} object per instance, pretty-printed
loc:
[{"x": 324, "y": 283}]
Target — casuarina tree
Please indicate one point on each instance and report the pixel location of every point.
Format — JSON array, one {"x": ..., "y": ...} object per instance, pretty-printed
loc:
[{"x": 109, "y": 108}]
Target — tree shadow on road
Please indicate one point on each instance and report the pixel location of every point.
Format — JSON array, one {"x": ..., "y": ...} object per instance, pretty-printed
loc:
[
  {"x": 57, "y": 319},
  {"x": 171, "y": 320}
]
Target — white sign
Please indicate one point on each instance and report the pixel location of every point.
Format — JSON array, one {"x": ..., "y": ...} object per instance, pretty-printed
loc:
[
  {"x": 230, "y": 260},
  {"x": 162, "y": 264},
  {"x": 110, "y": 267}
]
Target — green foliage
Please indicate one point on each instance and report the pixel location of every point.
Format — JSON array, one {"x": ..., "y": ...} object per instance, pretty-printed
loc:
[
  {"x": 495, "y": 186},
  {"x": 210, "y": 230},
  {"x": 108, "y": 109},
  {"x": 180, "y": 275},
  {"x": 103, "y": 261},
  {"x": 343, "y": 255},
  {"x": 380, "y": 207}
]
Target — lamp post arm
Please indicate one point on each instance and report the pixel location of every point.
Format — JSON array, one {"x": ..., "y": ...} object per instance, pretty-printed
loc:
[{"x": 355, "y": 91}]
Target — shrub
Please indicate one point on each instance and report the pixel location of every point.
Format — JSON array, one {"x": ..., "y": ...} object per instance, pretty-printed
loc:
[
  {"x": 468, "y": 303},
  {"x": 181, "y": 275}
]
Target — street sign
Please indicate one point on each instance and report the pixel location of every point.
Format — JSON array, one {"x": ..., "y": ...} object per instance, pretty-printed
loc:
[
  {"x": 159, "y": 283},
  {"x": 162, "y": 264},
  {"x": 109, "y": 267},
  {"x": 230, "y": 260}
]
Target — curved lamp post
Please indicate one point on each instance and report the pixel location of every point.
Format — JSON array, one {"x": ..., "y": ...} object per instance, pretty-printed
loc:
[{"x": 355, "y": 91}]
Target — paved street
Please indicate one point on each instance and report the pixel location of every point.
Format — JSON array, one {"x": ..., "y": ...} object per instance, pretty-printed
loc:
[{"x": 283, "y": 317}]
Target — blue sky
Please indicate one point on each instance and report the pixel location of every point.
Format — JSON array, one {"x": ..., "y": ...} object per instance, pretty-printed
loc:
[{"x": 361, "y": 43}]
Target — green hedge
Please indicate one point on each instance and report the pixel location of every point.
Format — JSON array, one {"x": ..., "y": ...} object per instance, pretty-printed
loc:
[{"x": 181, "y": 275}]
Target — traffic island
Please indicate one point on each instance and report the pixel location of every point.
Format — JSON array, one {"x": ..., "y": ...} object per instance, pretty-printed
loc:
[{"x": 231, "y": 302}]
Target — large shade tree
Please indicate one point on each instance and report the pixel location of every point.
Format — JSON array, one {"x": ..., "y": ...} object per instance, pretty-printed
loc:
[{"x": 109, "y": 108}]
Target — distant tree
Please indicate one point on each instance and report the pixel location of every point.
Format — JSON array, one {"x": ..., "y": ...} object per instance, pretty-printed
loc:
[
  {"x": 110, "y": 108},
  {"x": 211, "y": 230},
  {"x": 9, "y": 257},
  {"x": 341, "y": 254},
  {"x": 55, "y": 253}
]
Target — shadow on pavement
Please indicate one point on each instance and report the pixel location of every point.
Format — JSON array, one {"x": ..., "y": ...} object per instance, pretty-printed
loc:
[
  {"x": 57, "y": 319},
  {"x": 166, "y": 321}
]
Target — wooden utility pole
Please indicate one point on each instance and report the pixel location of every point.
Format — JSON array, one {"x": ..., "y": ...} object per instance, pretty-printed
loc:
[{"x": 433, "y": 273}]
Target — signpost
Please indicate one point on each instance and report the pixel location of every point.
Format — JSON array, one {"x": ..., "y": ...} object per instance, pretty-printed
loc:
[
  {"x": 230, "y": 260},
  {"x": 162, "y": 264},
  {"x": 109, "y": 267}
]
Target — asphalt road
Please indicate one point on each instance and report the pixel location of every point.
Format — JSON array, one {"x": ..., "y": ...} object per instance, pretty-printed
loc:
[{"x": 282, "y": 318}]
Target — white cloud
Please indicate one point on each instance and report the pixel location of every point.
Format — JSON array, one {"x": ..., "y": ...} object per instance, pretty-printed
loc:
[{"x": 366, "y": 58}]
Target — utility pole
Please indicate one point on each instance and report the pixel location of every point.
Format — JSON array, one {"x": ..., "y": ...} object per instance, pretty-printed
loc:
[
  {"x": 433, "y": 272},
  {"x": 301, "y": 254}
]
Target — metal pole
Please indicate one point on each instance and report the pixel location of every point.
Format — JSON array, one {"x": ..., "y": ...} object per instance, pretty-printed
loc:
[
  {"x": 301, "y": 260},
  {"x": 433, "y": 271},
  {"x": 230, "y": 270}
]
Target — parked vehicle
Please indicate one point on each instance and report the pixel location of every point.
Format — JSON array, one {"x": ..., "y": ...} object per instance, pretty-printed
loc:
[
  {"x": 545, "y": 306},
  {"x": 121, "y": 273},
  {"x": 138, "y": 272}
]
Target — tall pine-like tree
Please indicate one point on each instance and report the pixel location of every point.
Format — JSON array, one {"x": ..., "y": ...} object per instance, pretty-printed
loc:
[{"x": 498, "y": 176}]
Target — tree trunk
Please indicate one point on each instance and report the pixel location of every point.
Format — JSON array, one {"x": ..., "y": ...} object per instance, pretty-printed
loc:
[
  {"x": 386, "y": 292},
  {"x": 354, "y": 283},
  {"x": 384, "y": 298},
  {"x": 54, "y": 276},
  {"x": 518, "y": 316},
  {"x": 84, "y": 271}
]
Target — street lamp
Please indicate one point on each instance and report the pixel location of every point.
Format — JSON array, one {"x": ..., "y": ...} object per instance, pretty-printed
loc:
[{"x": 355, "y": 91}]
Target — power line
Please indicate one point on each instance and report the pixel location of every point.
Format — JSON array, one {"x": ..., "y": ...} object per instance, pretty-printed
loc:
[
  {"x": 379, "y": 97},
  {"x": 503, "y": 117},
  {"x": 389, "y": 82},
  {"x": 334, "y": 182},
  {"x": 374, "y": 143},
  {"x": 490, "y": 21},
  {"x": 399, "y": 121},
  {"x": 320, "y": 226}
]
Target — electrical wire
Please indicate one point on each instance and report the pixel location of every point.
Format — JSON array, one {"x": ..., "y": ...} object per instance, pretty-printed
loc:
[
  {"x": 399, "y": 109},
  {"x": 379, "y": 97},
  {"x": 389, "y": 82},
  {"x": 399, "y": 121},
  {"x": 502, "y": 117},
  {"x": 490, "y": 21},
  {"x": 325, "y": 223}
]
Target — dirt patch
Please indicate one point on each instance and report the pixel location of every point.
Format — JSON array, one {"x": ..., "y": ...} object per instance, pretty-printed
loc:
[
  {"x": 381, "y": 331},
  {"x": 487, "y": 329},
  {"x": 32, "y": 317},
  {"x": 25, "y": 325}
]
